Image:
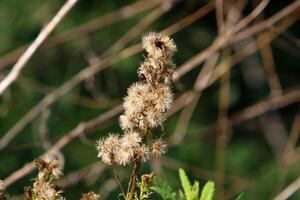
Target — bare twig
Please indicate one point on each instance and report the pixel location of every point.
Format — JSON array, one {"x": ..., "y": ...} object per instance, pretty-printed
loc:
[
  {"x": 17, "y": 68},
  {"x": 289, "y": 190},
  {"x": 84, "y": 29},
  {"x": 83, "y": 127}
]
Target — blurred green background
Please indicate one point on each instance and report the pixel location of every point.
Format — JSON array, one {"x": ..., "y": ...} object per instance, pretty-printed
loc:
[{"x": 252, "y": 161}]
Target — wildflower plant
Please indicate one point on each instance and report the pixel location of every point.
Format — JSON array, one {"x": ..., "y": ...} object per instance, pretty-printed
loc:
[
  {"x": 145, "y": 105},
  {"x": 44, "y": 187}
]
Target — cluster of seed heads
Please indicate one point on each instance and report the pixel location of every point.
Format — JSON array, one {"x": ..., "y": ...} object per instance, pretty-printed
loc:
[
  {"x": 145, "y": 105},
  {"x": 44, "y": 187}
]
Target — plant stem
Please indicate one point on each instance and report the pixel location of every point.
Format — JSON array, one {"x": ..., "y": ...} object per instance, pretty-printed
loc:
[
  {"x": 132, "y": 182},
  {"x": 118, "y": 180}
]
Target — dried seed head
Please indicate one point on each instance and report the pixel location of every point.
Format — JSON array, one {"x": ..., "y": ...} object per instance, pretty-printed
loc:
[
  {"x": 107, "y": 148},
  {"x": 142, "y": 153},
  {"x": 159, "y": 148},
  {"x": 128, "y": 143},
  {"x": 145, "y": 106},
  {"x": 157, "y": 71},
  {"x": 44, "y": 190},
  {"x": 136, "y": 99},
  {"x": 158, "y": 46},
  {"x": 48, "y": 166},
  {"x": 90, "y": 196}
]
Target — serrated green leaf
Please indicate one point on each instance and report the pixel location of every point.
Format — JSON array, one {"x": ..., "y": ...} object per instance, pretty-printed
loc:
[
  {"x": 191, "y": 191},
  {"x": 208, "y": 191},
  {"x": 163, "y": 189},
  {"x": 186, "y": 185}
]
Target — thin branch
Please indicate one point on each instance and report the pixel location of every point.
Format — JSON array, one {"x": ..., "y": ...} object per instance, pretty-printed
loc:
[
  {"x": 289, "y": 190},
  {"x": 84, "y": 127},
  {"x": 84, "y": 29},
  {"x": 17, "y": 68}
]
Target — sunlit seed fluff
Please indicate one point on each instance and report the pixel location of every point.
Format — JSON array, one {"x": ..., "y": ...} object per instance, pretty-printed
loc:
[
  {"x": 158, "y": 45},
  {"x": 135, "y": 99},
  {"x": 154, "y": 118},
  {"x": 142, "y": 153},
  {"x": 156, "y": 71},
  {"x": 43, "y": 190},
  {"x": 124, "y": 156},
  {"x": 128, "y": 143},
  {"x": 158, "y": 148},
  {"x": 90, "y": 196},
  {"x": 164, "y": 98},
  {"x": 131, "y": 139},
  {"x": 126, "y": 122},
  {"x": 107, "y": 148}
]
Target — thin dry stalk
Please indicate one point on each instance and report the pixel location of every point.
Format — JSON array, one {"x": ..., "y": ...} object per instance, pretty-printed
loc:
[
  {"x": 223, "y": 128},
  {"x": 83, "y": 127},
  {"x": 289, "y": 190},
  {"x": 17, "y": 68}
]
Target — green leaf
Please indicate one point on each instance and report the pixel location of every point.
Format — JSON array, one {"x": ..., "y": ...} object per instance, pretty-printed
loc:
[
  {"x": 162, "y": 188},
  {"x": 186, "y": 185},
  {"x": 208, "y": 191},
  {"x": 241, "y": 196},
  {"x": 191, "y": 192},
  {"x": 195, "y": 191}
]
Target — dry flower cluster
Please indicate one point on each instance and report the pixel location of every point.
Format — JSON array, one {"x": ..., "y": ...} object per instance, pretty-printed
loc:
[
  {"x": 43, "y": 186},
  {"x": 145, "y": 105}
]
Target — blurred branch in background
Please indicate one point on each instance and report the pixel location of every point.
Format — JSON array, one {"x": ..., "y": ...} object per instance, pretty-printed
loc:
[
  {"x": 84, "y": 29},
  {"x": 241, "y": 39},
  {"x": 45, "y": 32}
]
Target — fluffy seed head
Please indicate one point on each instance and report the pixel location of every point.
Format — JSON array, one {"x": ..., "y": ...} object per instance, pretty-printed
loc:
[
  {"x": 129, "y": 141},
  {"x": 107, "y": 148},
  {"x": 158, "y": 46},
  {"x": 142, "y": 153},
  {"x": 158, "y": 148},
  {"x": 153, "y": 102},
  {"x": 157, "y": 71},
  {"x": 48, "y": 166},
  {"x": 43, "y": 190}
]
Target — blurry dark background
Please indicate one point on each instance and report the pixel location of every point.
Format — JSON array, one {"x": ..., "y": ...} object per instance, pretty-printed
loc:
[{"x": 254, "y": 147}]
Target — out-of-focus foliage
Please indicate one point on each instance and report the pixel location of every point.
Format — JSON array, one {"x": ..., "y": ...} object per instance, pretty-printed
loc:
[{"x": 252, "y": 162}]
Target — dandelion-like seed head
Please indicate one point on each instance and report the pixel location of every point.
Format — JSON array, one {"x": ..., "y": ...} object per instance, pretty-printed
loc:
[
  {"x": 156, "y": 71},
  {"x": 44, "y": 190},
  {"x": 158, "y": 148},
  {"x": 158, "y": 45},
  {"x": 142, "y": 153},
  {"x": 107, "y": 148},
  {"x": 131, "y": 139},
  {"x": 135, "y": 100}
]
